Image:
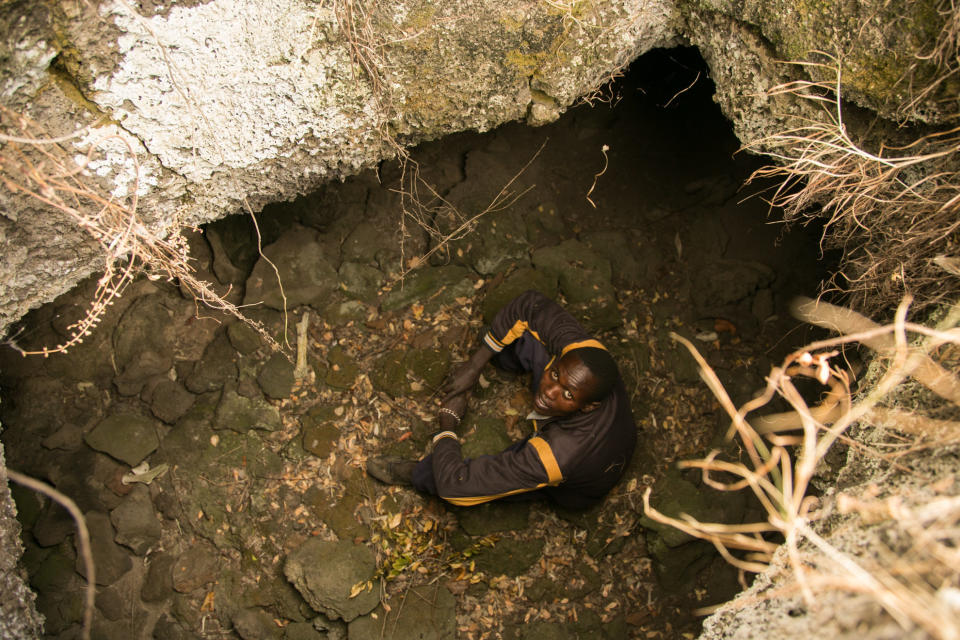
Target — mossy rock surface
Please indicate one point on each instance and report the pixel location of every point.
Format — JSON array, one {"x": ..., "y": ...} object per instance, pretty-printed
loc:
[
  {"x": 433, "y": 287},
  {"x": 510, "y": 557},
  {"x": 343, "y": 370},
  {"x": 128, "y": 437},
  {"x": 519, "y": 281}
]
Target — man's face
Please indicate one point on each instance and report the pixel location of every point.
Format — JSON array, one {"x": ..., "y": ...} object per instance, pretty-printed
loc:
[{"x": 564, "y": 388}]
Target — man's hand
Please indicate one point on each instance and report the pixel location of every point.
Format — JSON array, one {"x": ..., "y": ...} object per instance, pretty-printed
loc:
[
  {"x": 451, "y": 411},
  {"x": 466, "y": 375}
]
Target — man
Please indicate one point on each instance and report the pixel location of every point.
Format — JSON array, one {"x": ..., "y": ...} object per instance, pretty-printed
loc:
[{"x": 583, "y": 429}]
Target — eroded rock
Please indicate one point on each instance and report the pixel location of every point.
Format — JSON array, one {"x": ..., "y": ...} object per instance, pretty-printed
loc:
[
  {"x": 128, "y": 437},
  {"x": 324, "y": 573}
]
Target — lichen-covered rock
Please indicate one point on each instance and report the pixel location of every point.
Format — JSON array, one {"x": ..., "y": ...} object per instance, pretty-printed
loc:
[{"x": 325, "y": 572}]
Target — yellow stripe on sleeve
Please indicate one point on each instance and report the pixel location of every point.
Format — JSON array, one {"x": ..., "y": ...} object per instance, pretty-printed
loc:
[{"x": 547, "y": 458}]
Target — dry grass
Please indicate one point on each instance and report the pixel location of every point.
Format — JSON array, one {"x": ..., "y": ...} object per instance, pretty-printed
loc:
[
  {"x": 43, "y": 169},
  {"x": 892, "y": 210},
  {"x": 783, "y": 451}
]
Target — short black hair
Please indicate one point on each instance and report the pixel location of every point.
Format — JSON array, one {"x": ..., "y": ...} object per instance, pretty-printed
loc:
[{"x": 604, "y": 370}]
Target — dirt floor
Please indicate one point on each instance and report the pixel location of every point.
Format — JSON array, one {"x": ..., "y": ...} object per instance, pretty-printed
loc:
[{"x": 632, "y": 213}]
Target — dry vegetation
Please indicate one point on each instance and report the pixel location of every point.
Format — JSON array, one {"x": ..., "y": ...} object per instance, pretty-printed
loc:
[
  {"x": 44, "y": 169},
  {"x": 784, "y": 452},
  {"x": 893, "y": 211}
]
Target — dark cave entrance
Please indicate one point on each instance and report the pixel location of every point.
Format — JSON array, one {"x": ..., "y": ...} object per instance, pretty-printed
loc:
[{"x": 635, "y": 217}]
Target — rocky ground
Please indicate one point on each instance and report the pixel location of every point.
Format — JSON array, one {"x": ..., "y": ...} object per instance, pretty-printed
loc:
[{"x": 252, "y": 516}]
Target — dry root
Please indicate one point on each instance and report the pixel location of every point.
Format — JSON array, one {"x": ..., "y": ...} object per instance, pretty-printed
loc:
[
  {"x": 782, "y": 452},
  {"x": 43, "y": 169},
  {"x": 892, "y": 210}
]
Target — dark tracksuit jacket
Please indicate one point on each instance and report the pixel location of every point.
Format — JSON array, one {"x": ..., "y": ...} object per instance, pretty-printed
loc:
[{"x": 575, "y": 459}]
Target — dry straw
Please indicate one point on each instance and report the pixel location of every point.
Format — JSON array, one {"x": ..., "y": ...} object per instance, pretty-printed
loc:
[
  {"x": 892, "y": 209},
  {"x": 783, "y": 451},
  {"x": 44, "y": 169}
]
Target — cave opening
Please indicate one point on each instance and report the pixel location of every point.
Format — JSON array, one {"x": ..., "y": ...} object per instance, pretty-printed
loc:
[{"x": 630, "y": 209}]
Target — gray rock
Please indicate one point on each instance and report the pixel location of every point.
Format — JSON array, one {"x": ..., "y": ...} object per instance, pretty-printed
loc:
[
  {"x": 307, "y": 275},
  {"x": 111, "y": 603},
  {"x": 673, "y": 495},
  {"x": 725, "y": 282},
  {"x": 167, "y": 628},
  {"x": 244, "y": 338},
  {"x": 360, "y": 281},
  {"x": 170, "y": 401},
  {"x": 53, "y": 526},
  {"x": 514, "y": 285},
  {"x": 423, "y": 613},
  {"x": 233, "y": 243},
  {"x": 127, "y": 437},
  {"x": 371, "y": 243},
  {"x": 215, "y": 369},
  {"x": 324, "y": 573},
  {"x": 196, "y": 567},
  {"x": 496, "y": 243},
  {"x": 242, "y": 414},
  {"x": 256, "y": 624},
  {"x": 435, "y": 287},
  {"x": 158, "y": 583},
  {"x": 509, "y": 557},
  {"x": 302, "y": 631},
  {"x": 143, "y": 366},
  {"x": 339, "y": 313},
  {"x": 136, "y": 522},
  {"x": 109, "y": 559},
  {"x": 491, "y": 517},
  {"x": 276, "y": 377}
]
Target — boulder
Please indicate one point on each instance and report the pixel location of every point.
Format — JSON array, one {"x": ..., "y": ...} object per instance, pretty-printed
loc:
[
  {"x": 242, "y": 414},
  {"x": 136, "y": 521},
  {"x": 216, "y": 368},
  {"x": 196, "y": 567},
  {"x": 325, "y": 572},
  {"x": 426, "y": 612},
  {"x": 276, "y": 377},
  {"x": 170, "y": 401},
  {"x": 306, "y": 274},
  {"x": 110, "y": 560},
  {"x": 128, "y": 437}
]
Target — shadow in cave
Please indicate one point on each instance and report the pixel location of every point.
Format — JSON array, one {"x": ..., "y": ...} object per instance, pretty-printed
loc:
[{"x": 633, "y": 213}]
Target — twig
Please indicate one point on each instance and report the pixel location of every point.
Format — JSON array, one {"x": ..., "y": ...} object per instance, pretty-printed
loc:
[{"x": 83, "y": 538}]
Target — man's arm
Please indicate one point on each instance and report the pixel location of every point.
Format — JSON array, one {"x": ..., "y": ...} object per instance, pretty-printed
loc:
[
  {"x": 465, "y": 483},
  {"x": 543, "y": 318}
]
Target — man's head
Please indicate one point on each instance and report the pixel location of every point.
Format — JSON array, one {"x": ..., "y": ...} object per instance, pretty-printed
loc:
[{"x": 578, "y": 381}]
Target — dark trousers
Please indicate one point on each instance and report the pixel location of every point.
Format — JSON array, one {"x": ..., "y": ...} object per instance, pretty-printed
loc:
[{"x": 424, "y": 482}]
